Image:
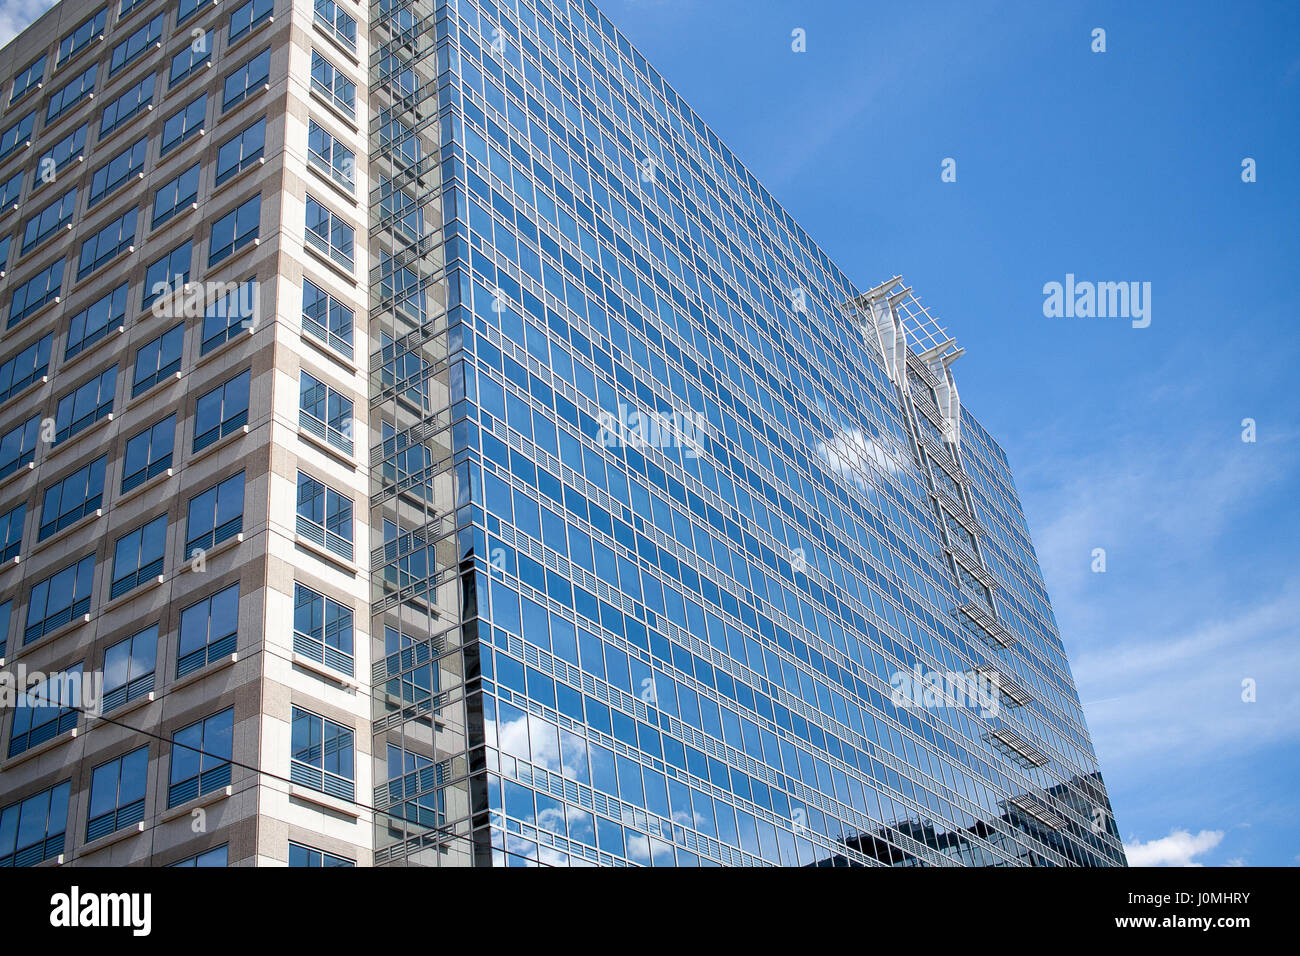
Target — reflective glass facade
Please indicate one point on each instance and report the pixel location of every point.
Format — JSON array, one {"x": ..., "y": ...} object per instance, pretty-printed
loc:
[{"x": 670, "y": 507}]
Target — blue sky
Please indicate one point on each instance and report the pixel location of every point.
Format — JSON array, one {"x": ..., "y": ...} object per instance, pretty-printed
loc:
[{"x": 1115, "y": 166}]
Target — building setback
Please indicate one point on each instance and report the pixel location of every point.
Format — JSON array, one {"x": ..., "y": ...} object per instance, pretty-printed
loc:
[{"x": 422, "y": 442}]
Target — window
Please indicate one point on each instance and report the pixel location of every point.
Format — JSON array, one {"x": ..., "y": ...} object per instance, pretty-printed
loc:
[
  {"x": 229, "y": 315},
  {"x": 32, "y": 831},
  {"x": 331, "y": 83},
  {"x": 35, "y": 292},
  {"x": 134, "y": 100},
  {"x": 235, "y": 230},
  {"x": 71, "y": 499},
  {"x": 65, "y": 151},
  {"x": 18, "y": 446},
  {"x": 117, "y": 793},
  {"x": 215, "y": 515},
  {"x": 59, "y": 599},
  {"x": 129, "y": 668},
  {"x": 49, "y": 220},
  {"x": 4, "y": 252},
  {"x": 139, "y": 556},
  {"x": 209, "y": 630},
  {"x": 201, "y": 756},
  {"x": 48, "y": 709},
  {"x": 82, "y": 407},
  {"x": 324, "y": 413},
  {"x": 25, "y": 368},
  {"x": 20, "y": 134},
  {"x": 214, "y": 857},
  {"x": 242, "y": 151},
  {"x": 324, "y": 317},
  {"x": 80, "y": 38},
  {"x": 117, "y": 171},
  {"x": 184, "y": 123},
  {"x": 322, "y": 755},
  {"x": 11, "y": 535},
  {"x": 27, "y": 80},
  {"x": 247, "y": 17},
  {"x": 221, "y": 411},
  {"x": 324, "y": 516},
  {"x": 117, "y": 236},
  {"x": 322, "y": 629},
  {"x": 196, "y": 55},
  {"x": 158, "y": 359},
  {"x": 246, "y": 80},
  {"x": 125, "y": 7},
  {"x": 175, "y": 195},
  {"x": 186, "y": 9},
  {"x": 6, "y": 612},
  {"x": 300, "y": 855},
  {"x": 10, "y": 192},
  {"x": 71, "y": 93},
  {"x": 331, "y": 155},
  {"x": 171, "y": 271},
  {"x": 93, "y": 323},
  {"x": 329, "y": 234},
  {"x": 148, "y": 453},
  {"x": 134, "y": 45},
  {"x": 337, "y": 23}
]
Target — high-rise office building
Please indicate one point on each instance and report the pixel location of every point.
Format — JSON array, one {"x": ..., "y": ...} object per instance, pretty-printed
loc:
[{"x": 424, "y": 443}]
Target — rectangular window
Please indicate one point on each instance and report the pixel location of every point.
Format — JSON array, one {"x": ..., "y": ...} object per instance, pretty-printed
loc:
[
  {"x": 322, "y": 629},
  {"x": 249, "y": 16},
  {"x": 32, "y": 831},
  {"x": 67, "y": 150},
  {"x": 242, "y": 151},
  {"x": 324, "y": 516},
  {"x": 11, "y": 534},
  {"x": 324, "y": 413},
  {"x": 184, "y": 123},
  {"x": 6, "y": 612},
  {"x": 18, "y": 446},
  {"x": 129, "y": 668},
  {"x": 201, "y": 756},
  {"x": 18, "y": 135},
  {"x": 148, "y": 453},
  {"x": 186, "y": 9},
  {"x": 329, "y": 233},
  {"x": 48, "y": 709},
  {"x": 158, "y": 359},
  {"x": 49, "y": 220},
  {"x": 4, "y": 252},
  {"x": 139, "y": 556},
  {"x": 117, "y": 793},
  {"x": 135, "y": 45},
  {"x": 301, "y": 855},
  {"x": 221, "y": 411},
  {"x": 94, "y": 322},
  {"x": 337, "y": 23},
  {"x": 247, "y": 80},
  {"x": 235, "y": 230},
  {"x": 60, "y": 598},
  {"x": 331, "y": 83},
  {"x": 322, "y": 757},
  {"x": 170, "y": 272},
  {"x": 117, "y": 171},
  {"x": 71, "y": 93},
  {"x": 215, "y": 515},
  {"x": 10, "y": 192},
  {"x": 82, "y": 407},
  {"x": 35, "y": 292},
  {"x": 208, "y": 630},
  {"x": 27, "y": 80},
  {"x": 71, "y": 499},
  {"x": 229, "y": 315},
  {"x": 25, "y": 368},
  {"x": 175, "y": 195},
  {"x": 190, "y": 58},
  {"x": 330, "y": 155},
  {"x": 326, "y": 318},
  {"x": 137, "y": 98},
  {"x": 82, "y": 37},
  {"x": 118, "y": 236},
  {"x": 125, "y": 7},
  {"x": 213, "y": 857}
]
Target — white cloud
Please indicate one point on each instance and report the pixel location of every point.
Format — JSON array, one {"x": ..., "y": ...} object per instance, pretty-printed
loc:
[
  {"x": 1177, "y": 849},
  {"x": 18, "y": 15}
]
